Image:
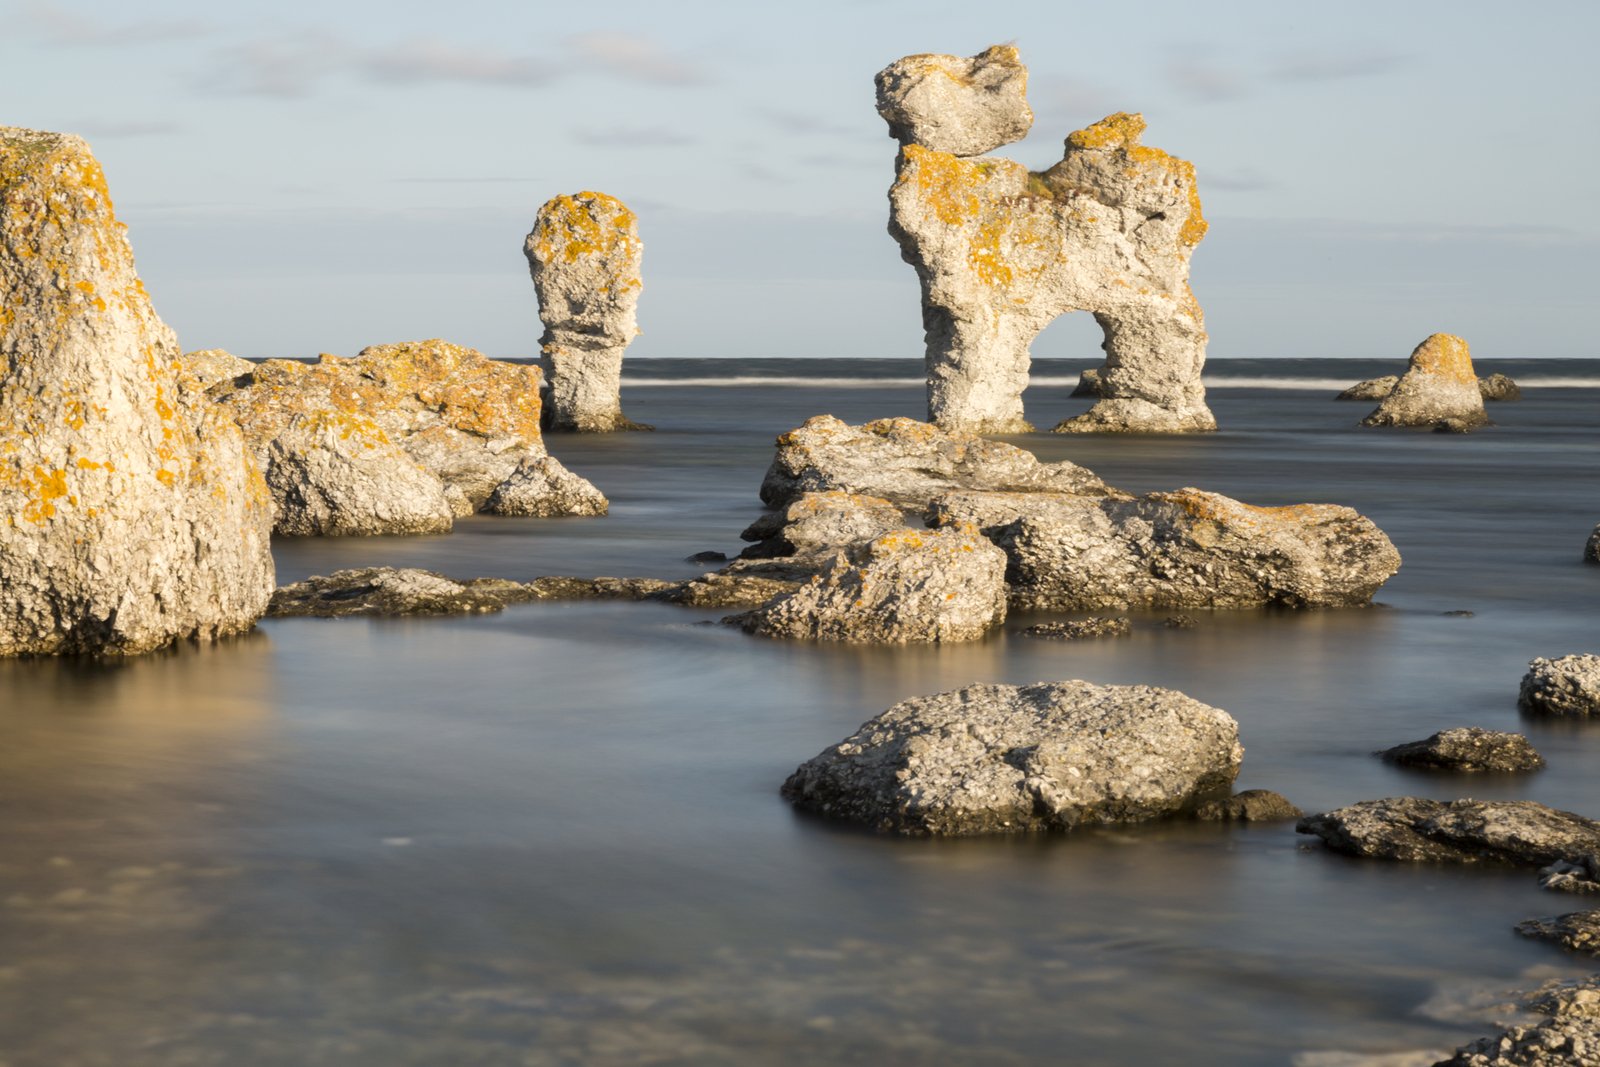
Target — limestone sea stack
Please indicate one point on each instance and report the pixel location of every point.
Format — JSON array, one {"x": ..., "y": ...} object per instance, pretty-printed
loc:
[
  {"x": 1001, "y": 252},
  {"x": 1438, "y": 389},
  {"x": 584, "y": 254},
  {"x": 132, "y": 514}
]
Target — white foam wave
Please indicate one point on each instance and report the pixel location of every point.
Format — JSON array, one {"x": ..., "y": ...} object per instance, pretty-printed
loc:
[{"x": 1319, "y": 385}]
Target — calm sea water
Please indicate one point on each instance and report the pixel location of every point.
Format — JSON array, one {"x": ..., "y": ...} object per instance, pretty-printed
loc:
[{"x": 553, "y": 836}]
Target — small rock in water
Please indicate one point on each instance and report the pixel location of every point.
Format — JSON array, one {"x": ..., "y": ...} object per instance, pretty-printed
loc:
[
  {"x": 1591, "y": 551},
  {"x": 1096, "y": 626},
  {"x": 1088, "y": 383},
  {"x": 1572, "y": 876},
  {"x": 1180, "y": 622},
  {"x": 1578, "y": 930},
  {"x": 1467, "y": 748},
  {"x": 1251, "y": 805},
  {"x": 1518, "y": 833},
  {"x": 392, "y": 591},
  {"x": 1499, "y": 387},
  {"x": 1568, "y": 687},
  {"x": 1371, "y": 389},
  {"x": 1458, "y": 614},
  {"x": 707, "y": 557}
]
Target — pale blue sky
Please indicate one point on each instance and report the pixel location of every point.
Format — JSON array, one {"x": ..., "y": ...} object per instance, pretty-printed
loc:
[{"x": 318, "y": 177}]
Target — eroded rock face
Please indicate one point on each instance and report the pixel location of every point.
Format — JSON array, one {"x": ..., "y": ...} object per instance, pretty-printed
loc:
[
  {"x": 1439, "y": 388},
  {"x": 542, "y": 487},
  {"x": 1468, "y": 749},
  {"x": 131, "y": 513},
  {"x": 212, "y": 365},
  {"x": 1002, "y": 252},
  {"x": 1518, "y": 833},
  {"x": 1008, "y": 759},
  {"x": 1089, "y": 383},
  {"x": 1566, "y": 687},
  {"x": 333, "y": 477},
  {"x": 821, "y": 522},
  {"x": 584, "y": 254},
  {"x": 1568, "y": 1036}
]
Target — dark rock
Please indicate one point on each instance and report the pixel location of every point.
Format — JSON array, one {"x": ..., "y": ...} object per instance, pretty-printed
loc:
[
  {"x": 707, "y": 557},
  {"x": 1518, "y": 833},
  {"x": 1468, "y": 748},
  {"x": 1180, "y": 622},
  {"x": 1097, "y": 626},
  {"x": 1578, "y": 931},
  {"x": 1591, "y": 550},
  {"x": 1458, "y": 614},
  {"x": 1251, "y": 805},
  {"x": 1499, "y": 387},
  {"x": 388, "y": 591},
  {"x": 1089, "y": 383}
]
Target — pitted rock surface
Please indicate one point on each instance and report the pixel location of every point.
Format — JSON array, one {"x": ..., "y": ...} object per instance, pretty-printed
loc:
[
  {"x": 1079, "y": 629},
  {"x": 336, "y": 477},
  {"x": 821, "y": 522},
  {"x": 132, "y": 515},
  {"x": 1439, "y": 388},
  {"x": 907, "y": 586},
  {"x": 1518, "y": 833},
  {"x": 542, "y": 487},
  {"x": 388, "y": 591},
  {"x": 1007, "y": 759},
  {"x": 210, "y": 366},
  {"x": 584, "y": 254},
  {"x": 1468, "y": 748},
  {"x": 1371, "y": 389},
  {"x": 1566, "y": 687},
  {"x": 1498, "y": 387},
  {"x": 1001, "y": 252},
  {"x": 1568, "y": 1036}
]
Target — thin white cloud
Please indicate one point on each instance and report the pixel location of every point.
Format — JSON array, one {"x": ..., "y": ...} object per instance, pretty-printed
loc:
[
  {"x": 798, "y": 123},
  {"x": 288, "y": 66},
  {"x": 635, "y": 58},
  {"x": 61, "y": 26},
  {"x": 1248, "y": 180},
  {"x": 1205, "y": 80},
  {"x": 434, "y": 60},
  {"x": 111, "y": 128},
  {"x": 1331, "y": 66},
  {"x": 632, "y": 137}
]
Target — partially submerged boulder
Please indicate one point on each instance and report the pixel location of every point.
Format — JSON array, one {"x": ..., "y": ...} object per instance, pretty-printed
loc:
[
  {"x": 131, "y": 513},
  {"x": 1577, "y": 930},
  {"x": 1371, "y": 389},
  {"x": 1468, "y": 749},
  {"x": 1566, "y": 687},
  {"x": 1498, "y": 387},
  {"x": 1518, "y": 833},
  {"x": 1438, "y": 389},
  {"x": 1250, "y": 805},
  {"x": 336, "y": 476},
  {"x": 1079, "y": 629},
  {"x": 1001, "y": 252},
  {"x": 1053, "y": 756},
  {"x": 1591, "y": 549},
  {"x": 541, "y": 487},
  {"x": 584, "y": 254}
]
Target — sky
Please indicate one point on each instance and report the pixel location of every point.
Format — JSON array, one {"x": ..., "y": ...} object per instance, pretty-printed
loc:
[{"x": 316, "y": 177}]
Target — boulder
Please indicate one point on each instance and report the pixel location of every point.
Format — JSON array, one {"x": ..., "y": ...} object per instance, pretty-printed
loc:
[
  {"x": 1184, "y": 549},
  {"x": 132, "y": 515},
  {"x": 907, "y": 586},
  {"x": 1567, "y": 1036},
  {"x": 1089, "y": 383},
  {"x": 1251, "y": 805},
  {"x": 1499, "y": 387},
  {"x": 1578, "y": 931},
  {"x": 1567, "y": 687},
  {"x": 1438, "y": 388},
  {"x": 1094, "y": 626},
  {"x": 1467, "y": 748},
  {"x": 1518, "y": 833},
  {"x": 1591, "y": 550},
  {"x": 542, "y": 487},
  {"x": 1001, "y": 252},
  {"x": 1008, "y": 759},
  {"x": 821, "y": 522},
  {"x": 1371, "y": 389},
  {"x": 584, "y": 254},
  {"x": 333, "y": 475}
]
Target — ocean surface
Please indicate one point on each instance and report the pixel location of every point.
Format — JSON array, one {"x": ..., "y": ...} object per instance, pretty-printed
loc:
[{"x": 554, "y": 836}]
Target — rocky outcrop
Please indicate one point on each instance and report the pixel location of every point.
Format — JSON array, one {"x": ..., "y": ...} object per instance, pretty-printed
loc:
[
  {"x": 1578, "y": 931},
  {"x": 1567, "y": 687},
  {"x": 1518, "y": 833},
  {"x": 1438, "y": 389},
  {"x": 209, "y": 366},
  {"x": 907, "y": 586},
  {"x": 584, "y": 254},
  {"x": 420, "y": 413},
  {"x": 1089, "y": 383},
  {"x": 1054, "y": 756},
  {"x": 1078, "y": 629},
  {"x": 1371, "y": 389},
  {"x": 813, "y": 523},
  {"x": 131, "y": 513},
  {"x": 1467, "y": 749},
  {"x": 1001, "y": 252},
  {"x": 1568, "y": 1035},
  {"x": 1498, "y": 387},
  {"x": 1251, "y": 805}
]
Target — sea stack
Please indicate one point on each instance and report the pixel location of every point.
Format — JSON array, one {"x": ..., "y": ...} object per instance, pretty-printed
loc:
[
  {"x": 1438, "y": 389},
  {"x": 584, "y": 254},
  {"x": 132, "y": 515},
  {"x": 1002, "y": 252}
]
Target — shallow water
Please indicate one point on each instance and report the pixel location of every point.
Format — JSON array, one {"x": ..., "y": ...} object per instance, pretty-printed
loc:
[{"x": 553, "y": 835}]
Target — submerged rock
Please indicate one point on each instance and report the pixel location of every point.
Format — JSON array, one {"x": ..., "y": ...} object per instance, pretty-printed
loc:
[
  {"x": 1512, "y": 832},
  {"x": 1371, "y": 389},
  {"x": 1467, "y": 748},
  {"x": 1438, "y": 388},
  {"x": 131, "y": 513},
  {"x": 392, "y": 591},
  {"x": 1499, "y": 387},
  {"x": 584, "y": 254},
  {"x": 1569, "y": 1035},
  {"x": 1578, "y": 931},
  {"x": 907, "y": 586},
  {"x": 1095, "y": 626},
  {"x": 1001, "y": 252},
  {"x": 1568, "y": 687},
  {"x": 1008, "y": 759},
  {"x": 1251, "y": 805}
]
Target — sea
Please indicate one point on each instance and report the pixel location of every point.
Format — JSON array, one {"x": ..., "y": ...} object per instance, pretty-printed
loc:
[{"x": 553, "y": 836}]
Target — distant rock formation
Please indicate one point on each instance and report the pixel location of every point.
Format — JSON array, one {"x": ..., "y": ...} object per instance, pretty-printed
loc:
[
  {"x": 131, "y": 513},
  {"x": 1494, "y": 387},
  {"x": 1002, "y": 252},
  {"x": 1499, "y": 387},
  {"x": 1438, "y": 389},
  {"x": 402, "y": 439},
  {"x": 584, "y": 254},
  {"x": 1591, "y": 548},
  {"x": 1089, "y": 383}
]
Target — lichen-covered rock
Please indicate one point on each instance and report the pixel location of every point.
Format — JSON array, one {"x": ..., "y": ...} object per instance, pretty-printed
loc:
[
  {"x": 1518, "y": 833},
  {"x": 1001, "y": 253},
  {"x": 964, "y": 106},
  {"x": 908, "y": 586},
  {"x": 908, "y": 463},
  {"x": 209, "y": 366},
  {"x": 1094, "y": 626},
  {"x": 1498, "y": 387},
  {"x": 1250, "y": 805},
  {"x": 1578, "y": 931},
  {"x": 1439, "y": 387},
  {"x": 1182, "y": 549},
  {"x": 394, "y": 591},
  {"x": 540, "y": 486},
  {"x": 1568, "y": 1036},
  {"x": 131, "y": 513},
  {"x": 584, "y": 254},
  {"x": 820, "y": 522},
  {"x": 1008, "y": 759},
  {"x": 1469, "y": 749},
  {"x": 1371, "y": 389},
  {"x": 1566, "y": 687},
  {"x": 1089, "y": 383},
  {"x": 341, "y": 477}
]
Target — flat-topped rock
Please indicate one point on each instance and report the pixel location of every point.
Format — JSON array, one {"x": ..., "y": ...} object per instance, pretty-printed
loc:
[
  {"x": 1467, "y": 749},
  {"x": 389, "y": 591},
  {"x": 964, "y": 106},
  {"x": 1250, "y": 805},
  {"x": 132, "y": 515},
  {"x": 1055, "y": 756},
  {"x": 1577, "y": 930},
  {"x": 1565, "y": 687},
  {"x": 1439, "y": 388},
  {"x": 1079, "y": 629},
  {"x": 1510, "y": 832}
]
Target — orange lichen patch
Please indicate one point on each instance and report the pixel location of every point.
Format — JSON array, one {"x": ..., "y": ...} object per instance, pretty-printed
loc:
[
  {"x": 589, "y": 223},
  {"x": 1226, "y": 512},
  {"x": 42, "y": 488},
  {"x": 1121, "y": 130},
  {"x": 899, "y": 540},
  {"x": 950, "y": 185},
  {"x": 1446, "y": 356}
]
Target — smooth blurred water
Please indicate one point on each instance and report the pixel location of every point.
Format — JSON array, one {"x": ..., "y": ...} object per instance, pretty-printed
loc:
[{"x": 553, "y": 836}]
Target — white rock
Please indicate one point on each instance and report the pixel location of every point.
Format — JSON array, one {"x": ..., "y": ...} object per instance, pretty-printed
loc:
[
  {"x": 952, "y": 104},
  {"x": 542, "y": 487},
  {"x": 1438, "y": 388},
  {"x": 338, "y": 477}
]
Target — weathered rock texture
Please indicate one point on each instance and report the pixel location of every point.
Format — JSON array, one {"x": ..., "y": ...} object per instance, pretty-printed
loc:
[
  {"x": 1438, "y": 388},
  {"x": 1251, "y": 805},
  {"x": 1567, "y": 687},
  {"x": 1468, "y": 748},
  {"x": 131, "y": 513},
  {"x": 1591, "y": 549},
  {"x": 1008, "y": 759},
  {"x": 820, "y": 522},
  {"x": 212, "y": 365},
  {"x": 1089, "y": 383},
  {"x": 1002, "y": 252},
  {"x": 1568, "y": 1036},
  {"x": 1578, "y": 931},
  {"x": 1079, "y": 629},
  {"x": 584, "y": 254},
  {"x": 1499, "y": 387},
  {"x": 1371, "y": 389},
  {"x": 1512, "y": 832},
  {"x": 428, "y": 418}
]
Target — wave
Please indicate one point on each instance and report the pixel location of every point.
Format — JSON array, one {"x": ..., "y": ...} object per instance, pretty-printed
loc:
[{"x": 753, "y": 381}]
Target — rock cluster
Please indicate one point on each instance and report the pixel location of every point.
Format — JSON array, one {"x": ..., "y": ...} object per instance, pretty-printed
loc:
[
  {"x": 1438, "y": 389},
  {"x": 1568, "y": 1036},
  {"x": 402, "y": 439},
  {"x": 131, "y": 513},
  {"x": 1008, "y": 759},
  {"x": 1094, "y": 626},
  {"x": 584, "y": 254},
  {"x": 1493, "y": 387},
  {"x": 1578, "y": 931},
  {"x": 1469, "y": 749},
  {"x": 1001, "y": 252},
  {"x": 1512, "y": 832},
  {"x": 1567, "y": 687}
]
